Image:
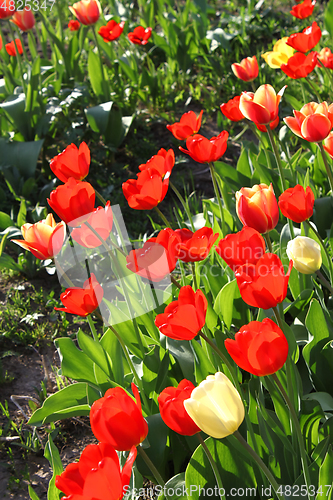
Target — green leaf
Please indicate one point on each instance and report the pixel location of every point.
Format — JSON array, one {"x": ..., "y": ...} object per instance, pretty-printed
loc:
[
  {"x": 68, "y": 402},
  {"x": 96, "y": 76},
  {"x": 75, "y": 364},
  {"x": 202, "y": 364},
  {"x": 235, "y": 467},
  {"x": 7, "y": 262},
  {"x": 14, "y": 106},
  {"x": 224, "y": 302},
  {"x": 5, "y": 221},
  {"x": 32, "y": 493},
  {"x": 51, "y": 453},
  {"x": 33, "y": 86},
  {"x": 182, "y": 352},
  {"x": 328, "y": 18},
  {"x": 325, "y": 475},
  {"x": 294, "y": 280},
  {"x": 22, "y": 155},
  {"x": 95, "y": 352},
  {"x": 157, "y": 449},
  {"x": 22, "y": 215},
  {"x": 176, "y": 485}
]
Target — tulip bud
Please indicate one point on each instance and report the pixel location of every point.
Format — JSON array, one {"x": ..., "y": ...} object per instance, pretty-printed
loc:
[
  {"x": 257, "y": 207},
  {"x": 216, "y": 406},
  {"x": 305, "y": 254}
]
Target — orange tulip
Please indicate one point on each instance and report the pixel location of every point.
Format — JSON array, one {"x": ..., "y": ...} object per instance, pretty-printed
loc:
[
  {"x": 261, "y": 107},
  {"x": 86, "y": 11},
  {"x": 325, "y": 57},
  {"x": 328, "y": 144},
  {"x": 43, "y": 239},
  {"x": 313, "y": 122},
  {"x": 257, "y": 207},
  {"x": 24, "y": 19},
  {"x": 11, "y": 48},
  {"x": 247, "y": 70}
]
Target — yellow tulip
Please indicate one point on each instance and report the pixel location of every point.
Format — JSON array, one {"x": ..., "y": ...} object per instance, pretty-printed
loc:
[
  {"x": 279, "y": 55},
  {"x": 216, "y": 406},
  {"x": 305, "y": 254}
]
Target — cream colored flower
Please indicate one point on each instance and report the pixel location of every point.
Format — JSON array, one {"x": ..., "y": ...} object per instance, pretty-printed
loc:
[
  {"x": 305, "y": 254},
  {"x": 279, "y": 55}
]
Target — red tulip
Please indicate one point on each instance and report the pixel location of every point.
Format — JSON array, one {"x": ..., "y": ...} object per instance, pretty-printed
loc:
[
  {"x": 97, "y": 475},
  {"x": 101, "y": 220},
  {"x": 86, "y": 11},
  {"x": 247, "y": 70},
  {"x": 74, "y": 25},
  {"x": 260, "y": 348},
  {"x": 43, "y": 239},
  {"x": 188, "y": 125},
  {"x": 172, "y": 409},
  {"x": 245, "y": 247},
  {"x": 139, "y": 35},
  {"x": 299, "y": 65},
  {"x": 163, "y": 163},
  {"x": 183, "y": 318},
  {"x": 257, "y": 207},
  {"x": 82, "y": 301},
  {"x": 147, "y": 191},
  {"x": 313, "y": 122},
  {"x": 297, "y": 204},
  {"x": 73, "y": 201},
  {"x": 11, "y": 49},
  {"x": 72, "y": 162},
  {"x": 117, "y": 419},
  {"x": 263, "y": 285},
  {"x": 231, "y": 109},
  {"x": 203, "y": 150},
  {"x": 325, "y": 57},
  {"x": 261, "y": 107},
  {"x": 328, "y": 144},
  {"x": 304, "y": 9},
  {"x": 7, "y": 8},
  {"x": 111, "y": 31},
  {"x": 24, "y": 19},
  {"x": 195, "y": 246},
  {"x": 307, "y": 40},
  {"x": 272, "y": 125},
  {"x": 157, "y": 258}
]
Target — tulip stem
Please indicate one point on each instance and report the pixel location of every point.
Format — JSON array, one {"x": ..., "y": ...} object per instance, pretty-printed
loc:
[
  {"x": 105, "y": 85},
  {"x": 261, "y": 464},
  {"x": 175, "y": 282},
  {"x": 313, "y": 88},
  {"x": 328, "y": 170},
  {"x": 324, "y": 281},
  {"x": 214, "y": 467},
  {"x": 92, "y": 328},
  {"x": 277, "y": 156},
  {"x": 151, "y": 466},
  {"x": 184, "y": 203},
  {"x": 132, "y": 367},
  {"x": 217, "y": 194},
  {"x": 194, "y": 276},
  {"x": 323, "y": 247},
  {"x": 268, "y": 241},
  {"x": 304, "y": 457},
  {"x": 242, "y": 132},
  {"x": 164, "y": 219}
]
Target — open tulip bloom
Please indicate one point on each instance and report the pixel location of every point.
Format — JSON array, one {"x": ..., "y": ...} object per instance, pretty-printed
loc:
[
  {"x": 188, "y": 125},
  {"x": 313, "y": 122},
  {"x": 261, "y": 107}
]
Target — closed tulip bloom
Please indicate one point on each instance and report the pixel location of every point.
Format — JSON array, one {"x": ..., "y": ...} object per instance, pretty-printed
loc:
[
  {"x": 183, "y": 318},
  {"x": 216, "y": 406},
  {"x": 82, "y": 301},
  {"x": 163, "y": 163},
  {"x": 245, "y": 247},
  {"x": 307, "y": 40},
  {"x": 97, "y": 475},
  {"x": 260, "y": 348},
  {"x": 325, "y": 57},
  {"x": 117, "y": 419},
  {"x": 263, "y": 285},
  {"x": 101, "y": 220},
  {"x": 304, "y": 9},
  {"x": 300, "y": 65},
  {"x": 195, "y": 246},
  {"x": 313, "y": 122},
  {"x": 173, "y": 413},
  {"x": 296, "y": 203},
  {"x": 247, "y": 70},
  {"x": 305, "y": 253},
  {"x": 157, "y": 258},
  {"x": 24, "y": 19},
  {"x": 328, "y": 144},
  {"x": 43, "y": 239},
  {"x": 11, "y": 48},
  {"x": 72, "y": 162},
  {"x": 231, "y": 109},
  {"x": 261, "y": 107},
  {"x": 280, "y": 54},
  {"x": 188, "y": 125},
  {"x": 140, "y": 35},
  {"x": 74, "y": 25},
  {"x": 257, "y": 207},
  {"x": 7, "y": 9},
  {"x": 111, "y": 31},
  {"x": 147, "y": 191},
  {"x": 203, "y": 150},
  {"x": 86, "y": 11},
  {"x": 73, "y": 201}
]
